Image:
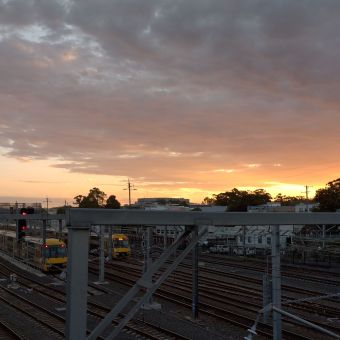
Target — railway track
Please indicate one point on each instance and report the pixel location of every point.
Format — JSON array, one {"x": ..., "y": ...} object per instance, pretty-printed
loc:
[
  {"x": 51, "y": 321},
  {"x": 97, "y": 311},
  {"x": 8, "y": 332},
  {"x": 230, "y": 315},
  {"x": 212, "y": 278},
  {"x": 207, "y": 295},
  {"x": 310, "y": 274}
]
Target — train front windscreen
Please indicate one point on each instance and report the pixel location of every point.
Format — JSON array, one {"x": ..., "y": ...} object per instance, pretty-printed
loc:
[
  {"x": 121, "y": 243},
  {"x": 54, "y": 251}
]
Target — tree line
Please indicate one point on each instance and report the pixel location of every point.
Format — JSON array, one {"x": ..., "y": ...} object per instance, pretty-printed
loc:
[{"x": 328, "y": 199}]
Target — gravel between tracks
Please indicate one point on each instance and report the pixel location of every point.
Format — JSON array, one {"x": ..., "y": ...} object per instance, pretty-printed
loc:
[{"x": 175, "y": 318}]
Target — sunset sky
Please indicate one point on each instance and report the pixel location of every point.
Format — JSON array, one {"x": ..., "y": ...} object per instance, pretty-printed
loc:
[{"x": 186, "y": 98}]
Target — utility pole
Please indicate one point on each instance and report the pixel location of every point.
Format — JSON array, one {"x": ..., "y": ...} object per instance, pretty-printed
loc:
[
  {"x": 45, "y": 225},
  {"x": 276, "y": 282},
  {"x": 47, "y": 201},
  {"x": 307, "y": 191},
  {"x": 307, "y": 195},
  {"x": 129, "y": 188}
]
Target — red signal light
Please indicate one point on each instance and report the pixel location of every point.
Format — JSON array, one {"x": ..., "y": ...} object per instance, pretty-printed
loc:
[
  {"x": 23, "y": 211},
  {"x": 21, "y": 228}
]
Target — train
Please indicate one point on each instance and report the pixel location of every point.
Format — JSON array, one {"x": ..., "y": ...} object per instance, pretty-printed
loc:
[
  {"x": 48, "y": 257},
  {"x": 120, "y": 245}
]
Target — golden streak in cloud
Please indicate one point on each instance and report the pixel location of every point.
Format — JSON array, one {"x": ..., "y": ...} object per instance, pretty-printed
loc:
[
  {"x": 229, "y": 171},
  {"x": 69, "y": 56},
  {"x": 253, "y": 165}
]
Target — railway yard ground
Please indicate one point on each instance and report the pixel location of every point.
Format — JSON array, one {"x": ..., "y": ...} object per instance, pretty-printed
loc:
[{"x": 230, "y": 288}]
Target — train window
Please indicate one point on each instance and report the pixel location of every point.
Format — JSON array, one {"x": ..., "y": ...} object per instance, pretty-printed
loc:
[
  {"x": 269, "y": 240},
  {"x": 259, "y": 239},
  {"x": 121, "y": 243},
  {"x": 55, "y": 251},
  {"x": 249, "y": 239}
]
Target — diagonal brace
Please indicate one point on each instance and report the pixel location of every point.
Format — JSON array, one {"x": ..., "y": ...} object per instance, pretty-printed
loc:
[{"x": 145, "y": 282}]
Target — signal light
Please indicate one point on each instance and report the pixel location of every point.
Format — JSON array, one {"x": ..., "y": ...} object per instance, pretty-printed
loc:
[
  {"x": 22, "y": 224},
  {"x": 23, "y": 211},
  {"x": 26, "y": 211},
  {"x": 21, "y": 227}
]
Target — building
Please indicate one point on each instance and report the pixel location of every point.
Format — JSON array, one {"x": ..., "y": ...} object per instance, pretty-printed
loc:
[
  {"x": 166, "y": 201},
  {"x": 258, "y": 237}
]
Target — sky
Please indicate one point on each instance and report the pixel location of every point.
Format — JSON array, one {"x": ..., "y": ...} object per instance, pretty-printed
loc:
[{"x": 184, "y": 98}]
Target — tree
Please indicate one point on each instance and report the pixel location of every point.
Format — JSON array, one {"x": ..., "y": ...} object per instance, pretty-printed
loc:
[
  {"x": 78, "y": 199},
  {"x": 112, "y": 203},
  {"x": 94, "y": 199},
  {"x": 208, "y": 201},
  {"x": 329, "y": 197},
  {"x": 239, "y": 200},
  {"x": 97, "y": 195},
  {"x": 289, "y": 200}
]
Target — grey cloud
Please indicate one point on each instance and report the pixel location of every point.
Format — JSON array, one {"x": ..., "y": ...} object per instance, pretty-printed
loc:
[
  {"x": 239, "y": 81},
  {"x": 27, "y": 12},
  {"x": 244, "y": 39}
]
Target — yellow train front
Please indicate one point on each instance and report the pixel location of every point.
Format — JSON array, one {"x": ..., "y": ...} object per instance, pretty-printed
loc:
[
  {"x": 120, "y": 246},
  {"x": 51, "y": 256}
]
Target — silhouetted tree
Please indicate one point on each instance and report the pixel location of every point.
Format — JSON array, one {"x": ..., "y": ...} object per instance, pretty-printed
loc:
[
  {"x": 112, "y": 203},
  {"x": 289, "y": 200},
  {"x": 208, "y": 201},
  {"x": 94, "y": 199},
  {"x": 78, "y": 199},
  {"x": 239, "y": 200},
  {"x": 328, "y": 197}
]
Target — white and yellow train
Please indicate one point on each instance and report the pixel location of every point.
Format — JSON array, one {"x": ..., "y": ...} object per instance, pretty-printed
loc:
[{"x": 51, "y": 256}]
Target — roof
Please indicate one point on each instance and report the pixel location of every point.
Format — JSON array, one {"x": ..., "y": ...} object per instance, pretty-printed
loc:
[
  {"x": 119, "y": 236},
  {"x": 53, "y": 242}
]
